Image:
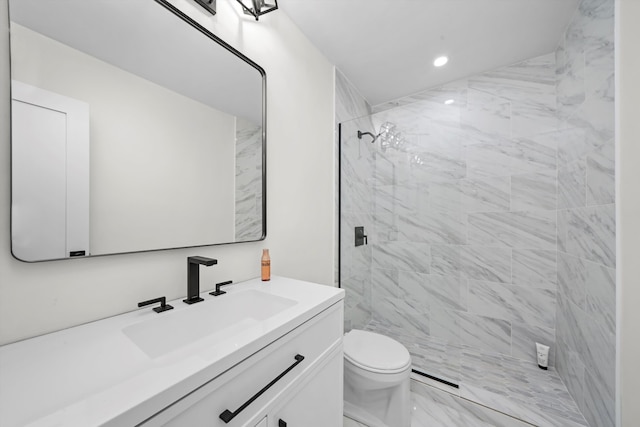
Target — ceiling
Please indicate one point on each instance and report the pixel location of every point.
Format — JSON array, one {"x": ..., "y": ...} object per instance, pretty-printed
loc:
[{"x": 386, "y": 48}]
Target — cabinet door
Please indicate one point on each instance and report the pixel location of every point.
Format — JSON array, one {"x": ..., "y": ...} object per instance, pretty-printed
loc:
[
  {"x": 318, "y": 403},
  {"x": 235, "y": 394},
  {"x": 268, "y": 375}
]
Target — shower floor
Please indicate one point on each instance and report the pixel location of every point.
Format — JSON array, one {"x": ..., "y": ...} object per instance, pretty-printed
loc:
[
  {"x": 509, "y": 385},
  {"x": 431, "y": 407}
]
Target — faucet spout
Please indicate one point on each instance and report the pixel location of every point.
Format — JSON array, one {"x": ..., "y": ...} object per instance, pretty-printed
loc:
[{"x": 193, "y": 277}]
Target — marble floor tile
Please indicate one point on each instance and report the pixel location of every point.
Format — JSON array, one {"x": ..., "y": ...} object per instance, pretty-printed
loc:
[
  {"x": 435, "y": 408},
  {"x": 518, "y": 388},
  {"x": 511, "y": 386},
  {"x": 348, "y": 422}
]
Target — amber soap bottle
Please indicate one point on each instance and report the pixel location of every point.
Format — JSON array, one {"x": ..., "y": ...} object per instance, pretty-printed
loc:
[{"x": 266, "y": 265}]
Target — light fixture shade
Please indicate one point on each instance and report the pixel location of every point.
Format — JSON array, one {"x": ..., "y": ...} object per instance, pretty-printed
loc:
[
  {"x": 209, "y": 5},
  {"x": 256, "y": 8}
]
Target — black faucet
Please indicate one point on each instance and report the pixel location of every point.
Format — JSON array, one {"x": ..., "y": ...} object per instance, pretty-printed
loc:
[{"x": 193, "y": 277}]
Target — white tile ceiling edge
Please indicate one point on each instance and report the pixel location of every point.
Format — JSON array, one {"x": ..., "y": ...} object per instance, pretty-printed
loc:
[{"x": 386, "y": 48}]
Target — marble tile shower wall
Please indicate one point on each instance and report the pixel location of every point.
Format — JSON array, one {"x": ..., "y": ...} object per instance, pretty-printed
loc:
[
  {"x": 248, "y": 219},
  {"x": 464, "y": 249},
  {"x": 357, "y": 168},
  {"x": 585, "y": 325},
  {"x": 495, "y": 227}
]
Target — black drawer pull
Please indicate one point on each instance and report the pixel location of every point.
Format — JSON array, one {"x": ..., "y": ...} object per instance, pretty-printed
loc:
[
  {"x": 281, "y": 423},
  {"x": 227, "y": 415}
]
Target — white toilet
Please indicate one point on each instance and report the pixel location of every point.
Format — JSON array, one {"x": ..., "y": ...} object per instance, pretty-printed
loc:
[{"x": 377, "y": 372}]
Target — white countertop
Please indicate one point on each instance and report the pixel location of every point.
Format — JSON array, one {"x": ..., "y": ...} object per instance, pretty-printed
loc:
[{"x": 94, "y": 375}]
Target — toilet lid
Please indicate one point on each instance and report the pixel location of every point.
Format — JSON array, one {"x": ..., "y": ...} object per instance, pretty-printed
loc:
[{"x": 375, "y": 352}]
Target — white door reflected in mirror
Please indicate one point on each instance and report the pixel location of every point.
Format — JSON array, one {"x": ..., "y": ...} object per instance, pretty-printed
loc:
[{"x": 50, "y": 171}]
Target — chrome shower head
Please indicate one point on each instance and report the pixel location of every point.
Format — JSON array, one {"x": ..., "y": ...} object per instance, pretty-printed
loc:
[{"x": 361, "y": 134}]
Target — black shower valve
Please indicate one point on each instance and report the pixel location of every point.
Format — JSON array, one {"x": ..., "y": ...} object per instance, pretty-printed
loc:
[{"x": 361, "y": 238}]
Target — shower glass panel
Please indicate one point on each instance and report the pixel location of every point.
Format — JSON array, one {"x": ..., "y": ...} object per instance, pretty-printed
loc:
[
  {"x": 406, "y": 282},
  {"x": 492, "y": 227}
]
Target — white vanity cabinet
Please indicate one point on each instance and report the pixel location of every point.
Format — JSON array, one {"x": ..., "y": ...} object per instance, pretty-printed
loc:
[
  {"x": 294, "y": 381},
  {"x": 269, "y": 352}
]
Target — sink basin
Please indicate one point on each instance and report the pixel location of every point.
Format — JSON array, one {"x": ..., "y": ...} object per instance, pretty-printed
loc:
[{"x": 220, "y": 318}]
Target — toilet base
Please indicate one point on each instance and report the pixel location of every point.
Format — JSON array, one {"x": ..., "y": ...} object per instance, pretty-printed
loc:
[
  {"x": 377, "y": 372},
  {"x": 388, "y": 402},
  {"x": 360, "y": 415}
]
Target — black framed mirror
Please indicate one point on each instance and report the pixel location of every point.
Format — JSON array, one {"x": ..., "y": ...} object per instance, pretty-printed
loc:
[{"x": 134, "y": 129}]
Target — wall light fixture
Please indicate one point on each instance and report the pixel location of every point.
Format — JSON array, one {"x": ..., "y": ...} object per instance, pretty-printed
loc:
[
  {"x": 209, "y": 5},
  {"x": 256, "y": 8}
]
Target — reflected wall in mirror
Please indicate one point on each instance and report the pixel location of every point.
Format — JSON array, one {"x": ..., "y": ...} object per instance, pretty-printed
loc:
[{"x": 133, "y": 129}]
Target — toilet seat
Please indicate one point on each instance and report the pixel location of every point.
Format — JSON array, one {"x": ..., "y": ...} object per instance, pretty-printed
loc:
[{"x": 375, "y": 353}]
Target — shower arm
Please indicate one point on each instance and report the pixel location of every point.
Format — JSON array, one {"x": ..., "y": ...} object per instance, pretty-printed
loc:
[{"x": 361, "y": 134}]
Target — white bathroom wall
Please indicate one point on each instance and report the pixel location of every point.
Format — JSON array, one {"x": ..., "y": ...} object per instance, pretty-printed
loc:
[
  {"x": 48, "y": 296},
  {"x": 628, "y": 212}
]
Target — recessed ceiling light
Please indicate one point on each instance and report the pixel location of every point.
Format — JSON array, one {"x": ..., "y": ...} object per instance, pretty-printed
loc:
[
  {"x": 449, "y": 101},
  {"x": 440, "y": 61}
]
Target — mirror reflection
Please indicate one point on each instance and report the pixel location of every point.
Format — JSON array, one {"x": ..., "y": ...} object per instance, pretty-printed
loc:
[{"x": 132, "y": 130}]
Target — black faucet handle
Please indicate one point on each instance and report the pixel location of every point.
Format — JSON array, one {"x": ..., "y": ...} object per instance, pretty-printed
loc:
[
  {"x": 163, "y": 304},
  {"x": 218, "y": 286}
]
